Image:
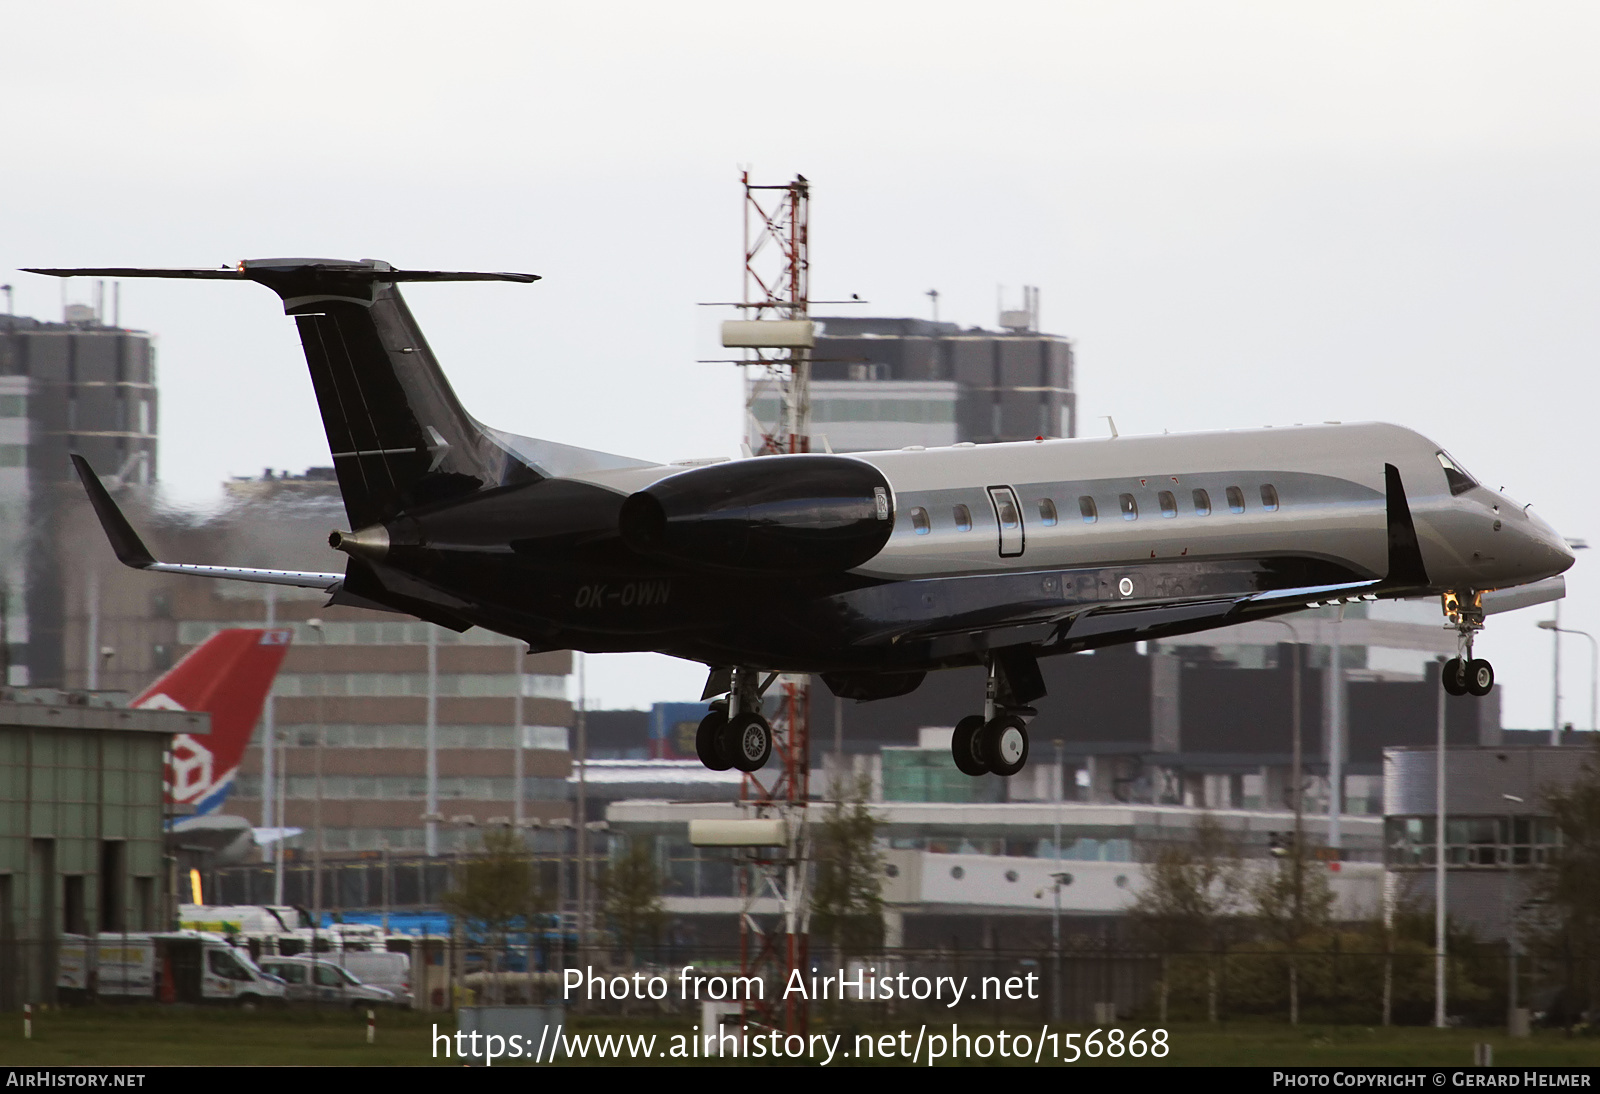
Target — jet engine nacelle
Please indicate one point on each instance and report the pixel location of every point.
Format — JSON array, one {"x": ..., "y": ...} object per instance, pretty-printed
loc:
[{"x": 777, "y": 513}]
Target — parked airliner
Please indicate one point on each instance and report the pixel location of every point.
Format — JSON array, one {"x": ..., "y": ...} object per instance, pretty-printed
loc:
[{"x": 869, "y": 569}]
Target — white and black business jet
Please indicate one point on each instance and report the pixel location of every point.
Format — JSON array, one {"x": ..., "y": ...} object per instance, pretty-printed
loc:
[{"x": 870, "y": 569}]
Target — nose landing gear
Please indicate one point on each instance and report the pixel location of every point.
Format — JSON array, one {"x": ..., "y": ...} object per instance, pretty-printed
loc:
[{"x": 1465, "y": 674}]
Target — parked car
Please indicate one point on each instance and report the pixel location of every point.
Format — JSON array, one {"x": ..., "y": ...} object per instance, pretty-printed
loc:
[{"x": 325, "y": 982}]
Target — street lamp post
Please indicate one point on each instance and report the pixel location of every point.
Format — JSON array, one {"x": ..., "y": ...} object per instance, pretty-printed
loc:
[
  {"x": 1554, "y": 626},
  {"x": 1297, "y": 758},
  {"x": 1439, "y": 845},
  {"x": 431, "y": 742},
  {"x": 1059, "y": 878},
  {"x": 1511, "y": 903},
  {"x": 1594, "y": 672},
  {"x": 316, "y": 818},
  {"x": 517, "y": 651},
  {"x": 1055, "y": 927},
  {"x": 581, "y": 881}
]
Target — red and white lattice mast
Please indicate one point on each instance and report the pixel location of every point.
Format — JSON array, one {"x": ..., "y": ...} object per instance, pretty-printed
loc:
[{"x": 777, "y": 335}]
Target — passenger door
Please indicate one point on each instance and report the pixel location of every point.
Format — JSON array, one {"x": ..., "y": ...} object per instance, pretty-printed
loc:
[{"x": 1009, "y": 516}]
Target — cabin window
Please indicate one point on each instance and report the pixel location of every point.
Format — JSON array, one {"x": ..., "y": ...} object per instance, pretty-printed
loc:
[
  {"x": 1269, "y": 497},
  {"x": 1235, "y": 500},
  {"x": 1087, "y": 509},
  {"x": 1006, "y": 509},
  {"x": 1130, "y": 507},
  {"x": 963, "y": 517},
  {"x": 1460, "y": 482},
  {"x": 1202, "y": 503},
  {"x": 1047, "y": 512},
  {"x": 919, "y": 521},
  {"x": 1169, "y": 504}
]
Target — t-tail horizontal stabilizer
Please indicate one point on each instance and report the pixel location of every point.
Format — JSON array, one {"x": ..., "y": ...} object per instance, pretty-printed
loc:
[
  {"x": 131, "y": 551},
  {"x": 268, "y": 270}
]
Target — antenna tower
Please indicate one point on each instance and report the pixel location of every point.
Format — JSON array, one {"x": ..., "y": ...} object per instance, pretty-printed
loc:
[
  {"x": 777, "y": 276},
  {"x": 777, "y": 300}
]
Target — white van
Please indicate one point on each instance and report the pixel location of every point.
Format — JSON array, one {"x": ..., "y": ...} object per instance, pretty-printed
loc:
[
  {"x": 250, "y": 920},
  {"x": 174, "y": 967}
]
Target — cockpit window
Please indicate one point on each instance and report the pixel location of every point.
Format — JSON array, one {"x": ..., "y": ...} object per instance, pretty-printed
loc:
[{"x": 1460, "y": 482}]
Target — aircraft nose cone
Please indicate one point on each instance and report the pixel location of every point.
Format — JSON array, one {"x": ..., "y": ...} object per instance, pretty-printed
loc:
[
  {"x": 1551, "y": 550},
  {"x": 1564, "y": 555}
]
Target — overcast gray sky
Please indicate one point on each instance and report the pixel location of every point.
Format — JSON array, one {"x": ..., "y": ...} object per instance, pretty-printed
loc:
[{"x": 1243, "y": 213}]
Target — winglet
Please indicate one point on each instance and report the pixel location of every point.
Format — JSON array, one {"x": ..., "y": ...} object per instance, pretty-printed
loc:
[
  {"x": 130, "y": 549},
  {"x": 1405, "y": 553}
]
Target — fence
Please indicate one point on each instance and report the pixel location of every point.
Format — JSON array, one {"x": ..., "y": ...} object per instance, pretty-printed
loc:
[{"x": 1335, "y": 984}]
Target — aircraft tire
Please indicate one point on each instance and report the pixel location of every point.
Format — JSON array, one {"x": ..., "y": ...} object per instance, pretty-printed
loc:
[
  {"x": 747, "y": 742},
  {"x": 1005, "y": 744},
  {"x": 1480, "y": 677},
  {"x": 1453, "y": 677},
  {"x": 708, "y": 741},
  {"x": 966, "y": 746}
]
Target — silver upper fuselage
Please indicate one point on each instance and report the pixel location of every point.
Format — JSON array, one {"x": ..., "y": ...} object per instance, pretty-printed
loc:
[{"x": 1328, "y": 482}]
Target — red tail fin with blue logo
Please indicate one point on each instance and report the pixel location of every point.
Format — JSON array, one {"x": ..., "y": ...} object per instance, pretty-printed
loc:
[{"x": 228, "y": 677}]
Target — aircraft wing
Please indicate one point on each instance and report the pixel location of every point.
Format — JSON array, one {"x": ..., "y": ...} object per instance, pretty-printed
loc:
[
  {"x": 1202, "y": 614},
  {"x": 131, "y": 551}
]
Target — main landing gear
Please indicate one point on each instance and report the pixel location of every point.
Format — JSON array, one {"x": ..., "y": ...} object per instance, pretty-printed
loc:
[
  {"x": 996, "y": 741},
  {"x": 1465, "y": 674},
  {"x": 735, "y": 734}
]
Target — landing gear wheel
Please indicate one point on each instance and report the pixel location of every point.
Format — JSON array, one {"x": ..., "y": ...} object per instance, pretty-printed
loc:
[
  {"x": 1005, "y": 745},
  {"x": 747, "y": 741},
  {"x": 966, "y": 745},
  {"x": 1454, "y": 677},
  {"x": 708, "y": 741},
  {"x": 1480, "y": 677}
]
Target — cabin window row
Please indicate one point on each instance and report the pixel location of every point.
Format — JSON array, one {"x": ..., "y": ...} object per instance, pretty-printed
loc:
[
  {"x": 1127, "y": 507},
  {"x": 1166, "y": 502}
]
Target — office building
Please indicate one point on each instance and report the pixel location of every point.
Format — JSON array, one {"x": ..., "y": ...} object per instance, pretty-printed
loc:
[
  {"x": 81, "y": 385},
  {"x": 891, "y": 383}
]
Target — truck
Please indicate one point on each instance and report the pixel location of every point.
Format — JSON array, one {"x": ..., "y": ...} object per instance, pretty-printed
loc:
[{"x": 171, "y": 967}]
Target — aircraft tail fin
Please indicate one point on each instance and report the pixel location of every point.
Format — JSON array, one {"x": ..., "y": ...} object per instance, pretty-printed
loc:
[
  {"x": 398, "y": 435},
  {"x": 227, "y": 676}
]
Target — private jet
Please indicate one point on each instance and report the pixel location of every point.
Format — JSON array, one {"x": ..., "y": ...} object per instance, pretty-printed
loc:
[{"x": 871, "y": 569}]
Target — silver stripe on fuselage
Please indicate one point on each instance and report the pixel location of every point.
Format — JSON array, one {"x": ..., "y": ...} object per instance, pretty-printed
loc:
[{"x": 1329, "y": 481}]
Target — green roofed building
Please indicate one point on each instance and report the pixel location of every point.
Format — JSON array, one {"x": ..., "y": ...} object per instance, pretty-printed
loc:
[{"x": 80, "y": 828}]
